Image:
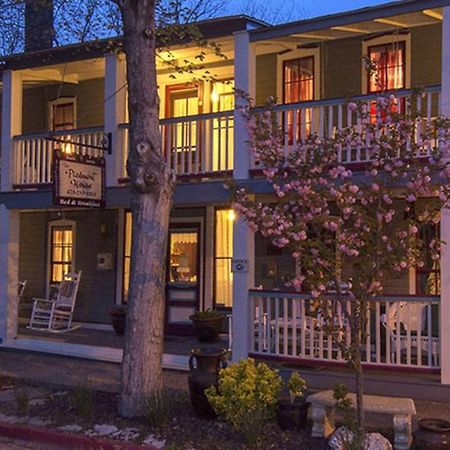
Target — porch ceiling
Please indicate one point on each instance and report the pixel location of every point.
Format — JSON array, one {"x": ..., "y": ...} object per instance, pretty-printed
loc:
[{"x": 367, "y": 21}]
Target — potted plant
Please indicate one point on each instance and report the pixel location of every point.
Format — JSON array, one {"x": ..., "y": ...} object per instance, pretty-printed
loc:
[
  {"x": 207, "y": 324},
  {"x": 292, "y": 413},
  {"x": 118, "y": 316}
]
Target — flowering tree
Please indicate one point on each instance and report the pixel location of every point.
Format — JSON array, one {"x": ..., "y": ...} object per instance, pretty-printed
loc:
[{"x": 349, "y": 230}]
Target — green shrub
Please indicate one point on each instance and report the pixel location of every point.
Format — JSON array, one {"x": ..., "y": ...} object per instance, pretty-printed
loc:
[
  {"x": 81, "y": 398},
  {"x": 156, "y": 408},
  {"x": 296, "y": 386},
  {"x": 246, "y": 397}
]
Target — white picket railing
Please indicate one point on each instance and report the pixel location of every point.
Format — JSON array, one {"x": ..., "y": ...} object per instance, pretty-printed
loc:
[
  {"x": 195, "y": 145},
  {"x": 33, "y": 154},
  {"x": 325, "y": 117},
  {"x": 401, "y": 330}
]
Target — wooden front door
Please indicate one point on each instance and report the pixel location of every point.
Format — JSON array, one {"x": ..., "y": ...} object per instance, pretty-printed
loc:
[{"x": 183, "y": 277}]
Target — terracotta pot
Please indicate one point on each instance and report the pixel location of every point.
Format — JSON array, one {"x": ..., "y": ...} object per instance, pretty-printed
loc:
[
  {"x": 204, "y": 365},
  {"x": 292, "y": 416},
  {"x": 118, "y": 321},
  {"x": 432, "y": 434},
  {"x": 207, "y": 329}
]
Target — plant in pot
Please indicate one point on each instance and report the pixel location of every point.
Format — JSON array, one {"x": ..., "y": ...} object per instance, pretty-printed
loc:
[
  {"x": 292, "y": 413},
  {"x": 207, "y": 324},
  {"x": 118, "y": 316}
]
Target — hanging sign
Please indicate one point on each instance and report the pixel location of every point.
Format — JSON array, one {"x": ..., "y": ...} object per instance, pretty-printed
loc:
[{"x": 79, "y": 180}]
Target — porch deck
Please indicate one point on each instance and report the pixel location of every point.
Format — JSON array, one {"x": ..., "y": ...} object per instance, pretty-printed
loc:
[{"x": 104, "y": 345}]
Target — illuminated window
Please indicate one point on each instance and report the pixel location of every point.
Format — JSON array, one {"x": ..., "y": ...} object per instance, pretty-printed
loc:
[
  {"x": 389, "y": 67},
  {"x": 62, "y": 114},
  {"x": 62, "y": 234},
  {"x": 298, "y": 86},
  {"x": 223, "y": 277},
  {"x": 183, "y": 256},
  {"x": 127, "y": 256},
  {"x": 222, "y": 99}
]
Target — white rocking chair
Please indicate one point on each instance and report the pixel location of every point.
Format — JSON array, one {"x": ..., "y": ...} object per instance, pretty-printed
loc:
[{"x": 56, "y": 315}]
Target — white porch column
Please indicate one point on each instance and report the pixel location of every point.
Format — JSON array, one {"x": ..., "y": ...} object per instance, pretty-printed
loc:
[
  {"x": 244, "y": 80},
  {"x": 243, "y": 238},
  {"x": 445, "y": 215},
  {"x": 445, "y": 82},
  {"x": 9, "y": 272},
  {"x": 115, "y": 114},
  {"x": 11, "y": 123}
]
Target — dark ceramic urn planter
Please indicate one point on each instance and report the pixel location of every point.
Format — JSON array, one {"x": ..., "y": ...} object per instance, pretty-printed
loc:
[
  {"x": 292, "y": 416},
  {"x": 207, "y": 329},
  {"x": 118, "y": 320},
  {"x": 204, "y": 365},
  {"x": 432, "y": 434}
]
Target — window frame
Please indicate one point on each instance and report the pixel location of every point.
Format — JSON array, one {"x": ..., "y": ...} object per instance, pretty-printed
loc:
[
  {"x": 62, "y": 101},
  {"x": 299, "y": 54},
  {"x": 214, "y": 258},
  {"x": 389, "y": 39},
  {"x": 59, "y": 223}
]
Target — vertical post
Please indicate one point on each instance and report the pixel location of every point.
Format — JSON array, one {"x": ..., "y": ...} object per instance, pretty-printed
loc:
[
  {"x": 244, "y": 80},
  {"x": 9, "y": 272},
  {"x": 444, "y": 329},
  {"x": 445, "y": 81},
  {"x": 11, "y": 123},
  {"x": 115, "y": 114},
  {"x": 243, "y": 238},
  {"x": 444, "y": 312}
]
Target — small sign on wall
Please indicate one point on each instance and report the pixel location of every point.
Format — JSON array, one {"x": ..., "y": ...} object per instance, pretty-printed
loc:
[
  {"x": 79, "y": 180},
  {"x": 239, "y": 265}
]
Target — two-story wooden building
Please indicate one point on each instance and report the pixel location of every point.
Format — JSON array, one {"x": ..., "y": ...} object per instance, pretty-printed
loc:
[{"x": 70, "y": 98}]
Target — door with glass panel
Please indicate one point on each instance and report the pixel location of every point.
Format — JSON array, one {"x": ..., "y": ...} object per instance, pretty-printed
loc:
[
  {"x": 183, "y": 274},
  {"x": 183, "y": 134}
]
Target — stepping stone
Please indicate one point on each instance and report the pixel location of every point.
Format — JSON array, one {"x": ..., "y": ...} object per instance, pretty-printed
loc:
[
  {"x": 105, "y": 430},
  {"x": 152, "y": 440},
  {"x": 71, "y": 428}
]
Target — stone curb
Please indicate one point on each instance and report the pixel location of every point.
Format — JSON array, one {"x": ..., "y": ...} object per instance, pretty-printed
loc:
[{"x": 65, "y": 440}]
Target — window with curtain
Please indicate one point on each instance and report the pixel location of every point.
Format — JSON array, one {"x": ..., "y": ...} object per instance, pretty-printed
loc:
[
  {"x": 428, "y": 277},
  {"x": 298, "y": 86},
  {"x": 126, "y": 256},
  {"x": 61, "y": 250},
  {"x": 223, "y": 278},
  {"x": 62, "y": 114},
  {"x": 389, "y": 64}
]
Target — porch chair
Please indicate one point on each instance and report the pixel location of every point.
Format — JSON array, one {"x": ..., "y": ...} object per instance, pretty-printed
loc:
[
  {"x": 406, "y": 322},
  {"x": 55, "y": 315}
]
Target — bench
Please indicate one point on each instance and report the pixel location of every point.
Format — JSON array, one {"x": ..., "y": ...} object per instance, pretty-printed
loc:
[{"x": 402, "y": 409}]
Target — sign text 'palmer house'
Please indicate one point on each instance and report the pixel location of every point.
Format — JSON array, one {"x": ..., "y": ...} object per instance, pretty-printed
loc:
[{"x": 79, "y": 181}]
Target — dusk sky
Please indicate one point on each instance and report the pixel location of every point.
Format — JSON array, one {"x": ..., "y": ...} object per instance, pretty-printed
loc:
[{"x": 320, "y": 7}]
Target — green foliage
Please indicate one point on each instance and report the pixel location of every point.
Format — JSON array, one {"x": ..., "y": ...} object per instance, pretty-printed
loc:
[
  {"x": 296, "y": 386},
  {"x": 156, "y": 408},
  {"x": 22, "y": 400},
  {"x": 81, "y": 398},
  {"x": 246, "y": 397}
]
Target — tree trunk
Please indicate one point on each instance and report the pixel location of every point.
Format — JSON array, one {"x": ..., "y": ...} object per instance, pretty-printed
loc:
[{"x": 152, "y": 190}]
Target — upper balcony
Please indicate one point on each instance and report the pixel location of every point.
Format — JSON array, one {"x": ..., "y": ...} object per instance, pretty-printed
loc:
[{"x": 313, "y": 68}]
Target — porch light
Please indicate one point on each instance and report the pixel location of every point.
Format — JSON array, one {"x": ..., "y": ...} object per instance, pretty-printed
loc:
[
  {"x": 214, "y": 96},
  {"x": 67, "y": 148},
  {"x": 231, "y": 215}
]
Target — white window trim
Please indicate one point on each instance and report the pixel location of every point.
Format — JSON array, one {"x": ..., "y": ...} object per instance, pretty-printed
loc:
[
  {"x": 62, "y": 101},
  {"x": 383, "y": 40},
  {"x": 59, "y": 223},
  {"x": 295, "y": 54}
]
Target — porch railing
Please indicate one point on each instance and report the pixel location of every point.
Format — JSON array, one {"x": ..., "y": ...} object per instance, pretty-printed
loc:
[
  {"x": 195, "y": 145},
  {"x": 402, "y": 331},
  {"x": 325, "y": 117},
  {"x": 33, "y": 154}
]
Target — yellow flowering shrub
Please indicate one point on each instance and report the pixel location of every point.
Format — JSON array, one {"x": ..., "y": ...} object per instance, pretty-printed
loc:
[{"x": 246, "y": 396}]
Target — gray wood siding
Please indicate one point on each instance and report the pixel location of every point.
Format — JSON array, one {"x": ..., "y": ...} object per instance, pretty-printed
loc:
[
  {"x": 97, "y": 288},
  {"x": 89, "y": 97}
]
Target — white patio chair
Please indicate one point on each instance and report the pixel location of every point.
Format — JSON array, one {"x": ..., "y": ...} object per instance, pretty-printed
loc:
[
  {"x": 405, "y": 324},
  {"x": 55, "y": 315}
]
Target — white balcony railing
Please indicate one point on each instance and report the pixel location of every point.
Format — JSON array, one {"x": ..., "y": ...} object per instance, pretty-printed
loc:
[
  {"x": 401, "y": 330},
  {"x": 195, "y": 145},
  {"x": 325, "y": 117},
  {"x": 33, "y": 154}
]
